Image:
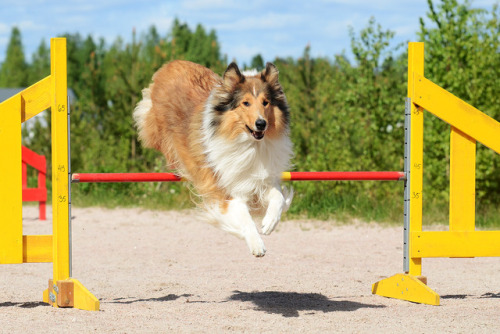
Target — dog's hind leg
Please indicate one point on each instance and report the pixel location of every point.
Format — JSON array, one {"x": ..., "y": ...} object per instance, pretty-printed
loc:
[{"x": 237, "y": 220}]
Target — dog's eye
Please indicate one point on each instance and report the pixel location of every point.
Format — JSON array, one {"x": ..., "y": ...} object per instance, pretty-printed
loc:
[
  {"x": 265, "y": 103},
  {"x": 246, "y": 104}
]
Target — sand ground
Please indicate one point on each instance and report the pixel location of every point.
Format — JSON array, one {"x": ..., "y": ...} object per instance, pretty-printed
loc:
[{"x": 165, "y": 271}]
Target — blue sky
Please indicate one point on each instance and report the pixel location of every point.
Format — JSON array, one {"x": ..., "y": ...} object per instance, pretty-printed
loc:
[{"x": 244, "y": 28}]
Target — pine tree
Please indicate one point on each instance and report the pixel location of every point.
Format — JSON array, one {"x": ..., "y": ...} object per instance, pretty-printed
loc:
[
  {"x": 257, "y": 62},
  {"x": 14, "y": 71},
  {"x": 40, "y": 64},
  {"x": 180, "y": 38}
]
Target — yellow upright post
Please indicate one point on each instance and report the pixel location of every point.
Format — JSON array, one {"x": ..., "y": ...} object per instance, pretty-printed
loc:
[
  {"x": 59, "y": 128},
  {"x": 11, "y": 224},
  {"x": 412, "y": 286},
  {"x": 14, "y": 247},
  {"x": 462, "y": 181},
  {"x": 416, "y": 66},
  {"x": 63, "y": 290}
]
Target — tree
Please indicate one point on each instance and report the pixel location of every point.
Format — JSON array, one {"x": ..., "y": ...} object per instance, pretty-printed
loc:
[
  {"x": 14, "y": 71},
  {"x": 179, "y": 38},
  {"x": 40, "y": 64},
  {"x": 257, "y": 62}
]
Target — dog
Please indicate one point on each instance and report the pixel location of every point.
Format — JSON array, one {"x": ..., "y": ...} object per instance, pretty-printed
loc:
[{"x": 229, "y": 136}]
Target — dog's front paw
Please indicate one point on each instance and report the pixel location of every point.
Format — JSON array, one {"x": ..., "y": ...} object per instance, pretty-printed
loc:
[
  {"x": 288, "y": 195},
  {"x": 269, "y": 224},
  {"x": 256, "y": 246}
]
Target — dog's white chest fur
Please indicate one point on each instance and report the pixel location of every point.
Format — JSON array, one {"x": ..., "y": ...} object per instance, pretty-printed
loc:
[{"x": 245, "y": 167}]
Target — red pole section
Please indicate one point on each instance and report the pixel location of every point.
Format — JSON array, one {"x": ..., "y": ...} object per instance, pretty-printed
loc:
[
  {"x": 287, "y": 176},
  {"x": 345, "y": 176},
  {"x": 124, "y": 177}
]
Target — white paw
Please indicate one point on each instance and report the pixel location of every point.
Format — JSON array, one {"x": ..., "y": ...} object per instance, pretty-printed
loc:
[
  {"x": 269, "y": 224},
  {"x": 256, "y": 246},
  {"x": 288, "y": 195}
]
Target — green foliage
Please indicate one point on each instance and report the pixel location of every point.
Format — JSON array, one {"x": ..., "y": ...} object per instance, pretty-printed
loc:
[
  {"x": 40, "y": 64},
  {"x": 14, "y": 69},
  {"x": 257, "y": 62}
]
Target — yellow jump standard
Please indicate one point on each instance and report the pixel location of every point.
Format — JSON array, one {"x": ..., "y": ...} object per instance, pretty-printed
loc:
[
  {"x": 50, "y": 92},
  {"x": 462, "y": 240}
]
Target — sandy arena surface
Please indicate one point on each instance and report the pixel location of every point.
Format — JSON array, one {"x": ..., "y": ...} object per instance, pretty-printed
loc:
[{"x": 158, "y": 272}]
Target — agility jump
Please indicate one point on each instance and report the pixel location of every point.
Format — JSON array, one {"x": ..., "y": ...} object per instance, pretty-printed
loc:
[{"x": 467, "y": 125}]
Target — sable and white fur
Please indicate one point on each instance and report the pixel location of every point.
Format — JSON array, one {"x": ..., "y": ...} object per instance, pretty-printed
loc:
[{"x": 229, "y": 136}]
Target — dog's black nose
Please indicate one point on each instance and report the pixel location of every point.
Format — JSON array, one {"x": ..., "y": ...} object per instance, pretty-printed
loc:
[{"x": 260, "y": 124}]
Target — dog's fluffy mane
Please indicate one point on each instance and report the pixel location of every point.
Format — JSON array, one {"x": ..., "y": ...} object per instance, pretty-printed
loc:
[{"x": 244, "y": 167}]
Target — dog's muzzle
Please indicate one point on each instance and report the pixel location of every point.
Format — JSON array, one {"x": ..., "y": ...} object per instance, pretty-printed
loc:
[{"x": 258, "y": 135}]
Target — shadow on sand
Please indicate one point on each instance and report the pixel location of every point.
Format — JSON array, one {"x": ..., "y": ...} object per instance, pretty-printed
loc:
[
  {"x": 23, "y": 305},
  {"x": 288, "y": 304},
  {"x": 166, "y": 298},
  {"x": 486, "y": 295}
]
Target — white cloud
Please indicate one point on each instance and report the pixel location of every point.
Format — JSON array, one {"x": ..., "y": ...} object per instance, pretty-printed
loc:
[
  {"x": 484, "y": 3},
  {"x": 161, "y": 23},
  {"x": 242, "y": 52},
  {"x": 28, "y": 25},
  {"x": 282, "y": 37},
  {"x": 4, "y": 29},
  {"x": 263, "y": 22},
  {"x": 209, "y": 4},
  {"x": 379, "y": 4},
  {"x": 72, "y": 8},
  {"x": 77, "y": 21},
  {"x": 339, "y": 28},
  {"x": 18, "y": 3},
  {"x": 406, "y": 30}
]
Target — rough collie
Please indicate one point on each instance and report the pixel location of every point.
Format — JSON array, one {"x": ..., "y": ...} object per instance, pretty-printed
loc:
[{"x": 228, "y": 136}]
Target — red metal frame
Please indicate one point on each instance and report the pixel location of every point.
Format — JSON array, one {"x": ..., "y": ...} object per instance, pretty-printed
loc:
[
  {"x": 294, "y": 176},
  {"x": 39, "y": 194}
]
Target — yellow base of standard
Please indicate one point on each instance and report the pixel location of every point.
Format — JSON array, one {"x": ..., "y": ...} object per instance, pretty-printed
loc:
[
  {"x": 70, "y": 293},
  {"x": 406, "y": 287}
]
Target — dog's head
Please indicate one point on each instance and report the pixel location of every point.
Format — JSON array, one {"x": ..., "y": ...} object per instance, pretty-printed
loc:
[{"x": 252, "y": 104}]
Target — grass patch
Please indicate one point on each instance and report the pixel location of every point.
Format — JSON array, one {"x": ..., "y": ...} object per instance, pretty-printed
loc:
[
  {"x": 346, "y": 208},
  {"x": 488, "y": 217},
  {"x": 155, "y": 196}
]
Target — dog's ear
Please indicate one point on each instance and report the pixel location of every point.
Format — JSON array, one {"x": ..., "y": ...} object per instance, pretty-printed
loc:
[
  {"x": 233, "y": 76},
  {"x": 270, "y": 74}
]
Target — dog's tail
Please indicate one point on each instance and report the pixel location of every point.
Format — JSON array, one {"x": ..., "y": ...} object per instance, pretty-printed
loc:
[{"x": 146, "y": 129}]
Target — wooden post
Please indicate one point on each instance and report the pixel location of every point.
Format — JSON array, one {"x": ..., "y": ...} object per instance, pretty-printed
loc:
[
  {"x": 462, "y": 181},
  {"x": 59, "y": 127},
  {"x": 11, "y": 201}
]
